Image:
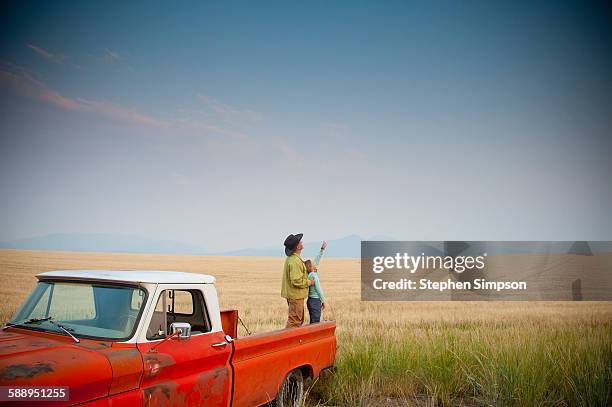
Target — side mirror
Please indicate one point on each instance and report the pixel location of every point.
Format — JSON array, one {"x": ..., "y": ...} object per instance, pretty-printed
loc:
[{"x": 183, "y": 329}]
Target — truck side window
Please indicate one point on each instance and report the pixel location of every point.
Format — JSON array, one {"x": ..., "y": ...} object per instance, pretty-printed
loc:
[
  {"x": 157, "y": 326},
  {"x": 183, "y": 302},
  {"x": 181, "y": 306}
]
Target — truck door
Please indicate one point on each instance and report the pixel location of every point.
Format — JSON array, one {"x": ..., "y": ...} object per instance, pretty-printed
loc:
[{"x": 185, "y": 372}]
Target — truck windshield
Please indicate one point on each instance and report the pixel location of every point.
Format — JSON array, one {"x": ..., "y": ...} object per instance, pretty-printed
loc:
[{"x": 84, "y": 309}]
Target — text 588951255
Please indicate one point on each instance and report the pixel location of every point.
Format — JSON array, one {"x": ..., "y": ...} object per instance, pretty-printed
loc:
[{"x": 34, "y": 393}]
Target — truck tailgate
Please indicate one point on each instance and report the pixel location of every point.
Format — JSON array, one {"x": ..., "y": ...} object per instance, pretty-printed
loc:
[{"x": 261, "y": 361}]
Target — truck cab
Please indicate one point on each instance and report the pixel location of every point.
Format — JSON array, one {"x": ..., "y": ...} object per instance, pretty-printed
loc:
[{"x": 152, "y": 338}]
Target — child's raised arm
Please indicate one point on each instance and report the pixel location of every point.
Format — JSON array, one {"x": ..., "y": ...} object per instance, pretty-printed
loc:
[{"x": 318, "y": 258}]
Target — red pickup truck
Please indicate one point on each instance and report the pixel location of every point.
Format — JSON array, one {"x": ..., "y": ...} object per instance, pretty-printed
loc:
[{"x": 152, "y": 338}]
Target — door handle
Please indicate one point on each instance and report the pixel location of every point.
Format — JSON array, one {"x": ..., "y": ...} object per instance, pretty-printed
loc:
[{"x": 219, "y": 345}]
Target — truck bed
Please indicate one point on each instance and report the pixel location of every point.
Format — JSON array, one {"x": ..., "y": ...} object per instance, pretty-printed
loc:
[{"x": 261, "y": 361}]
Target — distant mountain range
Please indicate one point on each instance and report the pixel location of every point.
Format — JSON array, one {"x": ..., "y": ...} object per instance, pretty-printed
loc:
[{"x": 348, "y": 246}]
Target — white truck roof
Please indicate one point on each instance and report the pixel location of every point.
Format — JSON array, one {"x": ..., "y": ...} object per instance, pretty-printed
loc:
[{"x": 129, "y": 276}]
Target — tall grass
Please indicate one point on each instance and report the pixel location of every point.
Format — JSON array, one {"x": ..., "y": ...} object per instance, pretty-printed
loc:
[{"x": 518, "y": 363}]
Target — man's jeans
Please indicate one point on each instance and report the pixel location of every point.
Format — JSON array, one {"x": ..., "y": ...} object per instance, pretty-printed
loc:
[{"x": 314, "y": 309}]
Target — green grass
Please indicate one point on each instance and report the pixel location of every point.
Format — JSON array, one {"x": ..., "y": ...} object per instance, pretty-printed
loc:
[{"x": 517, "y": 363}]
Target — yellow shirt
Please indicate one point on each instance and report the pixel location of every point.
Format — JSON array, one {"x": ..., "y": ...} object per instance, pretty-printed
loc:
[{"x": 295, "y": 278}]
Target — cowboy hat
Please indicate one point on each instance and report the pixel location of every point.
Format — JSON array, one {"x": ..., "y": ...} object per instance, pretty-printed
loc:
[{"x": 291, "y": 243}]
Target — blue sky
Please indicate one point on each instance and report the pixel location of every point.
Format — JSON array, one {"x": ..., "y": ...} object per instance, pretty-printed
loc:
[{"x": 232, "y": 125}]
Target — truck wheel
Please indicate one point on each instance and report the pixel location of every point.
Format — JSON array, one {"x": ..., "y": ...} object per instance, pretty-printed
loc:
[{"x": 291, "y": 392}]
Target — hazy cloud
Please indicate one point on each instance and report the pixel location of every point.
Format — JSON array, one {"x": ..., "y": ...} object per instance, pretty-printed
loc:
[
  {"x": 24, "y": 82},
  {"x": 49, "y": 56},
  {"x": 111, "y": 56},
  {"x": 290, "y": 153},
  {"x": 21, "y": 82},
  {"x": 198, "y": 127},
  {"x": 227, "y": 112}
]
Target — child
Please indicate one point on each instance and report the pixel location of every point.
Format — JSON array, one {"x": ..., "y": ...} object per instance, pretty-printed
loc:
[{"x": 316, "y": 300}]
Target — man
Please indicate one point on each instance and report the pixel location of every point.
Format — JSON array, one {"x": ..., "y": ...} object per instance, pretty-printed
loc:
[{"x": 295, "y": 280}]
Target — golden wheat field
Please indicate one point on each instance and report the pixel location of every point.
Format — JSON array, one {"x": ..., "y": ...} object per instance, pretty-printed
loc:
[{"x": 394, "y": 353}]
